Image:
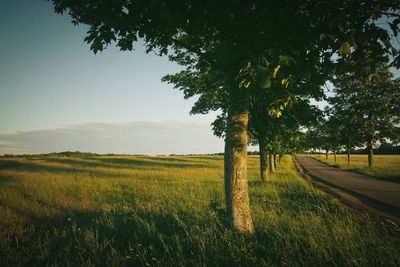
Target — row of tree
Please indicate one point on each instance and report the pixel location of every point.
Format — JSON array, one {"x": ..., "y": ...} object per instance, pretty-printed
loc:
[
  {"x": 364, "y": 110},
  {"x": 250, "y": 59}
]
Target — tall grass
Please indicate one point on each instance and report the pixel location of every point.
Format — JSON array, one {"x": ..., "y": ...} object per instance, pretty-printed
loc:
[
  {"x": 385, "y": 166},
  {"x": 169, "y": 211}
]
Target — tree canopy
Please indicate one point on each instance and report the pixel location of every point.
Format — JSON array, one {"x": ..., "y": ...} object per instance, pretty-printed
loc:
[{"x": 368, "y": 102}]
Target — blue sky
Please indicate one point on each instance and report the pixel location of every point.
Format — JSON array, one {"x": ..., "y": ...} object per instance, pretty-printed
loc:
[
  {"x": 56, "y": 95},
  {"x": 51, "y": 84}
]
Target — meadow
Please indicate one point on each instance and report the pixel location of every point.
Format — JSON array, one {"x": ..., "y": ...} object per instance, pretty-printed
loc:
[
  {"x": 386, "y": 167},
  {"x": 169, "y": 211}
]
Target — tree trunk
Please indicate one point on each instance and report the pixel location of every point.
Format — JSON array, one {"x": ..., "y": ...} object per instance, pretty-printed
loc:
[
  {"x": 280, "y": 157},
  {"x": 263, "y": 161},
  {"x": 370, "y": 154},
  {"x": 334, "y": 155},
  {"x": 271, "y": 163},
  {"x": 348, "y": 156},
  {"x": 275, "y": 166},
  {"x": 235, "y": 161},
  {"x": 326, "y": 154}
]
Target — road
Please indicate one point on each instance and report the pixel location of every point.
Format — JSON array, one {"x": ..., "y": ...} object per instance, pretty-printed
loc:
[{"x": 384, "y": 193}]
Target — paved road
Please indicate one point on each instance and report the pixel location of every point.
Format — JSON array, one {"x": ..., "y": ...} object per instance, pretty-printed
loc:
[{"x": 378, "y": 190}]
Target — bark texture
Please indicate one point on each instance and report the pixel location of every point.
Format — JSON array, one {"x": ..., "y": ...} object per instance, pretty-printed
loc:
[
  {"x": 235, "y": 162},
  {"x": 275, "y": 166},
  {"x": 263, "y": 161},
  {"x": 334, "y": 154}
]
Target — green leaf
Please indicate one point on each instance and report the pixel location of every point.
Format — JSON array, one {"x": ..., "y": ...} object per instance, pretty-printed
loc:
[
  {"x": 345, "y": 48},
  {"x": 286, "y": 60},
  {"x": 276, "y": 71},
  {"x": 285, "y": 82},
  {"x": 275, "y": 113},
  {"x": 244, "y": 83},
  {"x": 265, "y": 83},
  {"x": 351, "y": 40},
  {"x": 263, "y": 61},
  {"x": 340, "y": 26},
  {"x": 263, "y": 77}
]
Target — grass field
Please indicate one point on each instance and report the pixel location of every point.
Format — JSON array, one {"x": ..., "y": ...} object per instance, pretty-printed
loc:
[
  {"x": 385, "y": 166},
  {"x": 169, "y": 211}
]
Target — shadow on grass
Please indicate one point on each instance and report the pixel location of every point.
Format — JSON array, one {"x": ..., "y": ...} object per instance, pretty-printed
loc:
[
  {"x": 7, "y": 164},
  {"x": 93, "y": 166},
  {"x": 133, "y": 163},
  {"x": 11, "y": 164},
  {"x": 79, "y": 166},
  {"x": 5, "y": 178},
  {"x": 139, "y": 237},
  {"x": 169, "y": 159},
  {"x": 216, "y": 158},
  {"x": 152, "y": 162},
  {"x": 165, "y": 238},
  {"x": 258, "y": 183}
]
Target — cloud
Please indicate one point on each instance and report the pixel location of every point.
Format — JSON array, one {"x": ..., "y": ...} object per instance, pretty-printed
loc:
[
  {"x": 7, "y": 147},
  {"x": 136, "y": 137}
]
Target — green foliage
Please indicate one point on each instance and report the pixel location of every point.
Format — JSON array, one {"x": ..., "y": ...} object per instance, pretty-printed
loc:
[
  {"x": 345, "y": 48},
  {"x": 275, "y": 121},
  {"x": 169, "y": 211},
  {"x": 367, "y": 105}
]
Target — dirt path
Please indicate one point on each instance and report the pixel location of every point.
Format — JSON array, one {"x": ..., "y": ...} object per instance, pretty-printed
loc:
[{"x": 384, "y": 193}]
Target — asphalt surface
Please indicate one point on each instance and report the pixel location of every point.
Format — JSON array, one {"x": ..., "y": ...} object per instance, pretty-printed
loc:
[{"x": 378, "y": 190}]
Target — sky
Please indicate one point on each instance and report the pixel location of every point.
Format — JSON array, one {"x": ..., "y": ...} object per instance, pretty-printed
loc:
[{"x": 56, "y": 95}]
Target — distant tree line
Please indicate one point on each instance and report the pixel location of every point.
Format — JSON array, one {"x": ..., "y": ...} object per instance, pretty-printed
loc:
[
  {"x": 383, "y": 149},
  {"x": 70, "y": 154}
]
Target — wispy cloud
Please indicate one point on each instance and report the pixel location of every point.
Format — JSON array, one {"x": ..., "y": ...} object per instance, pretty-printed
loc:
[
  {"x": 137, "y": 137},
  {"x": 12, "y": 147}
]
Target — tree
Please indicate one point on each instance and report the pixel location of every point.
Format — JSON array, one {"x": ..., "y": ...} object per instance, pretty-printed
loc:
[
  {"x": 231, "y": 40},
  {"x": 317, "y": 136},
  {"x": 349, "y": 132},
  {"x": 323, "y": 138},
  {"x": 275, "y": 112},
  {"x": 370, "y": 101},
  {"x": 275, "y": 126},
  {"x": 332, "y": 138}
]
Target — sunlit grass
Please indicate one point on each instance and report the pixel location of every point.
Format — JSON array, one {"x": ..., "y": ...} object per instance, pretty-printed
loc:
[
  {"x": 385, "y": 166},
  {"x": 169, "y": 211}
]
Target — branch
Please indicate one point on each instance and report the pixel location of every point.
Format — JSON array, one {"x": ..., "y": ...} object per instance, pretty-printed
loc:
[
  {"x": 187, "y": 47},
  {"x": 390, "y": 14}
]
